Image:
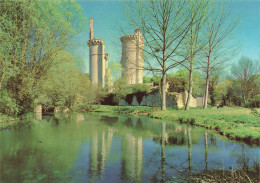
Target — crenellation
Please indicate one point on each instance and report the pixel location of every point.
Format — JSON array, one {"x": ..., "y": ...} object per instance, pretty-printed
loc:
[
  {"x": 131, "y": 60},
  {"x": 132, "y": 57},
  {"x": 97, "y": 58}
]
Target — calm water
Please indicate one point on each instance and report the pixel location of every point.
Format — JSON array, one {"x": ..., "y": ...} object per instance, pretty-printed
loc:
[{"x": 96, "y": 148}]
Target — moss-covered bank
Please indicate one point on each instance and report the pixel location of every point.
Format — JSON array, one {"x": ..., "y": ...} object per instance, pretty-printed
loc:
[
  {"x": 235, "y": 123},
  {"x": 7, "y": 121}
]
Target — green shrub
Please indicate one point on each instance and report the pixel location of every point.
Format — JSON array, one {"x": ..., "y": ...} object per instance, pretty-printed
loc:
[
  {"x": 82, "y": 107},
  {"x": 8, "y": 105}
]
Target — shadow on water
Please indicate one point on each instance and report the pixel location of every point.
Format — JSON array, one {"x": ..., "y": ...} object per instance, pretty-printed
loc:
[{"x": 106, "y": 148}]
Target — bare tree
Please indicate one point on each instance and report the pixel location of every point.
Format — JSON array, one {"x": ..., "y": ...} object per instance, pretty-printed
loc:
[
  {"x": 164, "y": 28},
  {"x": 246, "y": 73},
  {"x": 218, "y": 28},
  {"x": 193, "y": 43}
]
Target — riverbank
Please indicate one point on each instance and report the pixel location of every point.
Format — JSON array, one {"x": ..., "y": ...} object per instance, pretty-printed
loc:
[
  {"x": 240, "y": 175},
  {"x": 240, "y": 124},
  {"x": 7, "y": 121}
]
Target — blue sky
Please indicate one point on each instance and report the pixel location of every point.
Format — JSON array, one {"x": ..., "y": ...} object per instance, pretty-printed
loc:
[{"x": 109, "y": 17}]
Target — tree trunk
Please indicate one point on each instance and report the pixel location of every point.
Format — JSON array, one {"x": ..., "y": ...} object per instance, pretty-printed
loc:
[
  {"x": 163, "y": 88},
  {"x": 206, "y": 92},
  {"x": 187, "y": 106}
]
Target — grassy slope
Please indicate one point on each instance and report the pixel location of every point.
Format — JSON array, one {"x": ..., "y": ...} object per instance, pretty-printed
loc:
[{"x": 235, "y": 123}]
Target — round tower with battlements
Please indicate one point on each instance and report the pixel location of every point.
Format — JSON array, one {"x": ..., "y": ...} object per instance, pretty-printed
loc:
[
  {"x": 132, "y": 57},
  {"x": 97, "y": 58}
]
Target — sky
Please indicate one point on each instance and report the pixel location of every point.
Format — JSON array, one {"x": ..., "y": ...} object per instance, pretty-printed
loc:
[{"x": 109, "y": 20}]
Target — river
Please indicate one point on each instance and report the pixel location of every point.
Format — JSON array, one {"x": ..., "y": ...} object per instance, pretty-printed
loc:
[{"x": 94, "y": 147}]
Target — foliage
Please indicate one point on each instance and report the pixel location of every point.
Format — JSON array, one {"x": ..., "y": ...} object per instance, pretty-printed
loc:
[
  {"x": 115, "y": 69},
  {"x": 179, "y": 82},
  {"x": 147, "y": 79},
  {"x": 120, "y": 91},
  {"x": 127, "y": 93},
  {"x": 8, "y": 105},
  {"x": 221, "y": 92},
  {"x": 142, "y": 88},
  {"x": 151, "y": 79},
  {"x": 254, "y": 112},
  {"x": 33, "y": 35},
  {"x": 63, "y": 86},
  {"x": 108, "y": 79},
  {"x": 100, "y": 94},
  {"x": 82, "y": 107},
  {"x": 212, "y": 90},
  {"x": 246, "y": 74}
]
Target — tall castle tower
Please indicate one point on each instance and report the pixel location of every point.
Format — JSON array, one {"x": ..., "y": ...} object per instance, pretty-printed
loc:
[
  {"x": 97, "y": 58},
  {"x": 132, "y": 57}
]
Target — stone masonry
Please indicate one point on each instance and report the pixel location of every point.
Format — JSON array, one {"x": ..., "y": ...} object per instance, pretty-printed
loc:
[
  {"x": 97, "y": 58},
  {"x": 132, "y": 57}
]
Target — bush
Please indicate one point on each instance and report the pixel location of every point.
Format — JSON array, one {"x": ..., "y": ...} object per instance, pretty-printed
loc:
[
  {"x": 8, "y": 105},
  {"x": 82, "y": 107}
]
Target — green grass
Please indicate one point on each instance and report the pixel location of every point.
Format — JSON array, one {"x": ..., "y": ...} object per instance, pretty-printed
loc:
[
  {"x": 235, "y": 123},
  {"x": 123, "y": 109}
]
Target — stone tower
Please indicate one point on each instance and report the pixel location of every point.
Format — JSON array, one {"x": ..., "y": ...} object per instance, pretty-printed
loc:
[
  {"x": 132, "y": 57},
  {"x": 97, "y": 58}
]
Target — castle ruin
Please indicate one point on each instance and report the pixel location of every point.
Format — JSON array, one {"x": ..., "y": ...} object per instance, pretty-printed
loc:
[
  {"x": 132, "y": 57},
  {"x": 97, "y": 58}
]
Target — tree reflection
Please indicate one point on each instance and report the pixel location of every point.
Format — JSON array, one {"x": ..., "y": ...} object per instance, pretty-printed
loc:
[
  {"x": 206, "y": 150},
  {"x": 163, "y": 152},
  {"x": 189, "y": 148},
  {"x": 55, "y": 149},
  {"x": 243, "y": 159}
]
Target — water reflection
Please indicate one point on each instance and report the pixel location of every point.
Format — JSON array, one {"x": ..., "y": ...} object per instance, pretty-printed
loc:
[
  {"x": 163, "y": 139},
  {"x": 206, "y": 150},
  {"x": 100, "y": 143},
  {"x": 38, "y": 115},
  {"x": 131, "y": 158},
  {"x": 96, "y": 148},
  {"x": 189, "y": 148}
]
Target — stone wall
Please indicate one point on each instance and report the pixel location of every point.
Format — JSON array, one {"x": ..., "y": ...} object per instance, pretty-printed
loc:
[
  {"x": 153, "y": 100},
  {"x": 38, "y": 112},
  {"x": 200, "y": 100},
  {"x": 181, "y": 99}
]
